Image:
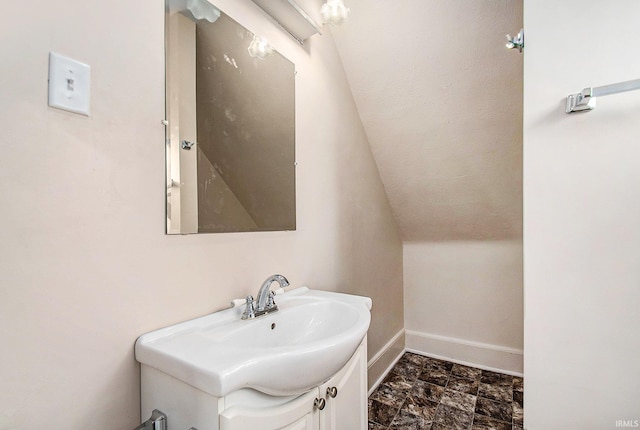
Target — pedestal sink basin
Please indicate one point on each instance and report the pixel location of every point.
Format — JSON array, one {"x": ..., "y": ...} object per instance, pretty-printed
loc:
[{"x": 284, "y": 353}]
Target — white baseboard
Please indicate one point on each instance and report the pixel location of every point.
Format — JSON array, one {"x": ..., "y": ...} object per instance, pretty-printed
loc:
[
  {"x": 384, "y": 360},
  {"x": 484, "y": 356}
]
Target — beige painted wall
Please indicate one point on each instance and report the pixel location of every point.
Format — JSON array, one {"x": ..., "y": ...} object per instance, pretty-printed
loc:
[
  {"x": 581, "y": 217},
  {"x": 86, "y": 266},
  {"x": 441, "y": 101},
  {"x": 465, "y": 292}
]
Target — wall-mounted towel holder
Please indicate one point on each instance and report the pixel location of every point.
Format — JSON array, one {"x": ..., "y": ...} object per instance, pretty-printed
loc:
[{"x": 585, "y": 100}]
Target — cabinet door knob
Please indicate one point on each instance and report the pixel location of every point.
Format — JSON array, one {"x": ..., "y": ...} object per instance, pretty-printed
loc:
[
  {"x": 332, "y": 391},
  {"x": 320, "y": 403}
]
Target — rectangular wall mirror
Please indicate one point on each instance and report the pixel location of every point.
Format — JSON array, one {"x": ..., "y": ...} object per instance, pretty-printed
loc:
[{"x": 230, "y": 141}]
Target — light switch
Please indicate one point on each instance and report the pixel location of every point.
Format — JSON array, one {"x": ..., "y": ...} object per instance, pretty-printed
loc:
[{"x": 69, "y": 84}]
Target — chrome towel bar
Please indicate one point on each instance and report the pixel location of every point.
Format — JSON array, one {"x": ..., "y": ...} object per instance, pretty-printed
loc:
[{"x": 585, "y": 100}]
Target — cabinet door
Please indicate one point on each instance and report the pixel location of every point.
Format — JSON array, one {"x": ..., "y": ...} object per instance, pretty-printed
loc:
[
  {"x": 348, "y": 409},
  {"x": 298, "y": 414}
]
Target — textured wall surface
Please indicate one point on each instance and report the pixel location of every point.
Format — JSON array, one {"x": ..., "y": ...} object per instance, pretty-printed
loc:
[
  {"x": 441, "y": 102},
  {"x": 465, "y": 290},
  {"x": 581, "y": 224}
]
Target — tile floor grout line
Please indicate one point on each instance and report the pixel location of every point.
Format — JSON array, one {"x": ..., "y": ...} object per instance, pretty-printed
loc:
[{"x": 397, "y": 412}]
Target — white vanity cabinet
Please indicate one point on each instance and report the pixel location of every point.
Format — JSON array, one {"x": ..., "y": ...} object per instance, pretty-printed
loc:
[
  {"x": 346, "y": 395},
  {"x": 298, "y": 414},
  {"x": 338, "y": 404}
]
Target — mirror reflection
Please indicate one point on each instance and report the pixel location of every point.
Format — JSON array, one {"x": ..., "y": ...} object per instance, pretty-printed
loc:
[{"x": 230, "y": 131}]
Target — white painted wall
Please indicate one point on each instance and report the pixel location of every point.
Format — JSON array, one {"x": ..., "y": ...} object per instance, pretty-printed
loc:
[
  {"x": 463, "y": 301},
  {"x": 582, "y": 217},
  {"x": 85, "y": 264}
]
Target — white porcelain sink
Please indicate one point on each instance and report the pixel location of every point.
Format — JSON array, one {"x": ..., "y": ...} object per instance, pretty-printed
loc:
[{"x": 284, "y": 353}]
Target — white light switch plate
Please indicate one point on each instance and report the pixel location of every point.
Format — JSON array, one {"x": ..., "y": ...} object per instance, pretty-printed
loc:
[{"x": 69, "y": 84}]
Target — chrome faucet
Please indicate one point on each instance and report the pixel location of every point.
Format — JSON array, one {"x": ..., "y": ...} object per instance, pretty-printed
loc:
[{"x": 265, "y": 302}]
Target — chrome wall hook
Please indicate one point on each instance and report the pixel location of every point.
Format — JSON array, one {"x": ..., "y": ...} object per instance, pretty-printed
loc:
[
  {"x": 185, "y": 144},
  {"x": 516, "y": 42}
]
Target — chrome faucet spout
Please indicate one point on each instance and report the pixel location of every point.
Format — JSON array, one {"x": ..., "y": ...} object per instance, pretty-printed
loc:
[{"x": 263, "y": 304}]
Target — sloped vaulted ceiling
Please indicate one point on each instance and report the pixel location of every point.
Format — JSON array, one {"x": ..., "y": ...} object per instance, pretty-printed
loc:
[{"x": 440, "y": 98}]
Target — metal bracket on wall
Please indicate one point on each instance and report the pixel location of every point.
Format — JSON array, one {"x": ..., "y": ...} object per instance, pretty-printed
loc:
[
  {"x": 585, "y": 100},
  {"x": 185, "y": 144}
]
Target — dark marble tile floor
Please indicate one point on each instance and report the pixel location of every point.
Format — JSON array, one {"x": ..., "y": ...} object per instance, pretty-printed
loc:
[{"x": 422, "y": 393}]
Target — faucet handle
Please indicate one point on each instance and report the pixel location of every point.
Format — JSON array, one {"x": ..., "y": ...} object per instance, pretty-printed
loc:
[
  {"x": 250, "y": 309},
  {"x": 271, "y": 303}
]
